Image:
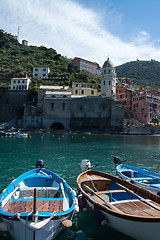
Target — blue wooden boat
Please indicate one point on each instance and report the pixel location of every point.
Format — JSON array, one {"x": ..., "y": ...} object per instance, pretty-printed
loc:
[
  {"x": 140, "y": 177},
  {"x": 37, "y": 205},
  {"x": 14, "y": 134}
]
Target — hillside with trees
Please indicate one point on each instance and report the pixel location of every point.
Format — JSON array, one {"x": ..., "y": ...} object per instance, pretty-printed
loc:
[
  {"x": 143, "y": 73},
  {"x": 17, "y": 60}
]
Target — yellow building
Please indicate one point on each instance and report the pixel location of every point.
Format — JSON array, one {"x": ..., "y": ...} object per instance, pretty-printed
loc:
[{"x": 88, "y": 89}]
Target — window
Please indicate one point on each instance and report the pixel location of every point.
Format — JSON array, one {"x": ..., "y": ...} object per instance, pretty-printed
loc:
[
  {"x": 52, "y": 106},
  {"x": 82, "y": 92},
  {"x": 44, "y": 75},
  {"x": 92, "y": 92},
  {"x": 36, "y": 69},
  {"x": 23, "y": 81},
  {"x": 76, "y": 92},
  {"x": 63, "y": 106},
  {"x": 109, "y": 83},
  {"x": 18, "y": 81},
  {"x": 104, "y": 83},
  {"x": 109, "y": 71},
  {"x": 36, "y": 74},
  {"x": 44, "y": 69},
  {"x": 76, "y": 85},
  {"x": 104, "y": 71},
  {"x": 14, "y": 81}
]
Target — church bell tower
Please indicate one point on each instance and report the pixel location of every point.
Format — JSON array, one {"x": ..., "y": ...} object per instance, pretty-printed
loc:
[{"x": 108, "y": 82}]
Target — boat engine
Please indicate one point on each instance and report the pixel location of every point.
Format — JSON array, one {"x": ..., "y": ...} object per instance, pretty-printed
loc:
[
  {"x": 39, "y": 163},
  {"x": 85, "y": 165},
  {"x": 118, "y": 160}
]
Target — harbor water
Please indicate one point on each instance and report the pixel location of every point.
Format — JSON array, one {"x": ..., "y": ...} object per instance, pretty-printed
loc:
[{"x": 62, "y": 154}]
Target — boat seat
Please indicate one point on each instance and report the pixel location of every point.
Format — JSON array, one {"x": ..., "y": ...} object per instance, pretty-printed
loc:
[
  {"x": 155, "y": 185},
  {"x": 110, "y": 191},
  {"x": 143, "y": 178},
  {"x": 98, "y": 184},
  {"x": 54, "y": 205}
]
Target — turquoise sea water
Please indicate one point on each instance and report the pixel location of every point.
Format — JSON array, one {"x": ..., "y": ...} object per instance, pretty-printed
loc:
[{"x": 62, "y": 153}]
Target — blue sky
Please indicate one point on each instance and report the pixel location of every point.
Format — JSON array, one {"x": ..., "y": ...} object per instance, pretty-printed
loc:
[{"x": 124, "y": 30}]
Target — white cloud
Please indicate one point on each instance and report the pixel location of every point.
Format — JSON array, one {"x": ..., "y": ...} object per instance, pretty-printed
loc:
[
  {"x": 72, "y": 30},
  {"x": 142, "y": 37}
]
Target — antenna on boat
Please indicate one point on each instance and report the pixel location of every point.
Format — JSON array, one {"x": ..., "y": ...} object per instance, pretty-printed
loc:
[{"x": 86, "y": 165}]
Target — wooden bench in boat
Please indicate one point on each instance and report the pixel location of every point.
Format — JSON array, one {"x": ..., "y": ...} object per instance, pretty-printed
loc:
[
  {"x": 110, "y": 191},
  {"x": 137, "y": 208},
  {"x": 27, "y": 206}
]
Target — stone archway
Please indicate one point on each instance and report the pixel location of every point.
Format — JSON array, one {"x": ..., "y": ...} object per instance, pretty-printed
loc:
[{"x": 57, "y": 126}]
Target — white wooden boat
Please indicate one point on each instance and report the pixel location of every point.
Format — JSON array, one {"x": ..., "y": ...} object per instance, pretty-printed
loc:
[
  {"x": 140, "y": 177},
  {"x": 36, "y": 205},
  {"x": 121, "y": 205}
]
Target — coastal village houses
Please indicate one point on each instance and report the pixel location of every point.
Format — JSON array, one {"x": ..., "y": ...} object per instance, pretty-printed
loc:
[
  {"x": 88, "y": 106},
  {"x": 65, "y": 111},
  {"x": 143, "y": 105}
]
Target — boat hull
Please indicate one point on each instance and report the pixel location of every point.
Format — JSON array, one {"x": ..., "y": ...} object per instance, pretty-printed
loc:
[
  {"x": 143, "y": 175},
  {"x": 20, "y": 231},
  {"x": 121, "y": 205},
  {"x": 135, "y": 229}
]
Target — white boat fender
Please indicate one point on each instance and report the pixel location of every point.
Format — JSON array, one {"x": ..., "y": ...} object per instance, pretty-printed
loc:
[
  {"x": 76, "y": 208},
  {"x": 66, "y": 224},
  {"x": 74, "y": 192},
  {"x": 5, "y": 226},
  {"x": 100, "y": 217},
  {"x": 82, "y": 203}
]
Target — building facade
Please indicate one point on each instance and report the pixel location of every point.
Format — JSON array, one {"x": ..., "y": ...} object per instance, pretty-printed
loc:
[
  {"x": 88, "y": 89},
  {"x": 43, "y": 89},
  {"x": 74, "y": 113},
  {"x": 124, "y": 95},
  {"x": 108, "y": 82},
  {"x": 146, "y": 107},
  {"x": 41, "y": 72},
  {"x": 82, "y": 64},
  {"x": 20, "y": 84}
]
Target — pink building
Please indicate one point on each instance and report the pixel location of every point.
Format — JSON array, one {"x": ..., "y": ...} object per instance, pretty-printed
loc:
[{"x": 145, "y": 107}]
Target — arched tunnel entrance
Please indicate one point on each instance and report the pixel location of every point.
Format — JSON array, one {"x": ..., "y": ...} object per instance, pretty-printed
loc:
[{"x": 57, "y": 126}]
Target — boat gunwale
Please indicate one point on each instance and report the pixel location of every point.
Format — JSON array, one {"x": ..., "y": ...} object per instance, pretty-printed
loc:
[
  {"x": 33, "y": 173},
  {"x": 129, "y": 185}
]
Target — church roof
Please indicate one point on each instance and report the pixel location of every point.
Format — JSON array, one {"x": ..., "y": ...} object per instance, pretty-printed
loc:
[{"x": 108, "y": 63}]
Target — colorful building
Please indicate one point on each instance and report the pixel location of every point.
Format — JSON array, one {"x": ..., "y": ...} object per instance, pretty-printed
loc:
[
  {"x": 82, "y": 64},
  {"x": 124, "y": 94},
  {"x": 146, "y": 107},
  {"x": 85, "y": 89}
]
